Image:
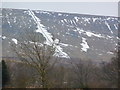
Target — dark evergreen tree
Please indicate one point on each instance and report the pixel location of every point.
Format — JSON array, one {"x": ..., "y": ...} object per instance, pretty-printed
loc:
[{"x": 5, "y": 74}]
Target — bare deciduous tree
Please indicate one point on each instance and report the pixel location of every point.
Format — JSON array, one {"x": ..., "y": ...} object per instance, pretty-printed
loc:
[
  {"x": 32, "y": 52},
  {"x": 110, "y": 72},
  {"x": 84, "y": 72}
]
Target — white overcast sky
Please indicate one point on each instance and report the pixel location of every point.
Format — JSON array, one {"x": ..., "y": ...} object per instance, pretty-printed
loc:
[{"x": 94, "y": 8}]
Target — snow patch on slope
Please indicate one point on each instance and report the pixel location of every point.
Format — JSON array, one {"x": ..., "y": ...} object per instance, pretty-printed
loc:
[
  {"x": 76, "y": 18},
  {"x": 116, "y": 27},
  {"x": 9, "y": 23},
  {"x": 15, "y": 41},
  {"x": 110, "y": 53},
  {"x": 4, "y": 37},
  {"x": 44, "y": 12},
  {"x": 108, "y": 27},
  {"x": 84, "y": 45},
  {"x": 89, "y": 34},
  {"x": 94, "y": 19},
  {"x": 59, "y": 14}
]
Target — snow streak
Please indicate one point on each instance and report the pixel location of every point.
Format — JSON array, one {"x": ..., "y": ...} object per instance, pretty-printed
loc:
[
  {"x": 84, "y": 45},
  {"x": 49, "y": 41}
]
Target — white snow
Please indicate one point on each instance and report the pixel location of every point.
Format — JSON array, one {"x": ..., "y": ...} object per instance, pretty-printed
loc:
[
  {"x": 41, "y": 28},
  {"x": 110, "y": 53},
  {"x": 116, "y": 44},
  {"x": 108, "y": 27},
  {"x": 59, "y": 52},
  {"x": 58, "y": 33},
  {"x": 62, "y": 21},
  {"x": 10, "y": 13},
  {"x": 115, "y": 26},
  {"x": 65, "y": 20},
  {"x": 37, "y": 11},
  {"x": 67, "y": 15},
  {"x": 37, "y": 43},
  {"x": 3, "y": 37},
  {"x": 65, "y": 45},
  {"x": 71, "y": 21},
  {"x": 76, "y": 18},
  {"x": 9, "y": 23},
  {"x": 59, "y": 14},
  {"x": 108, "y": 18},
  {"x": 29, "y": 20},
  {"x": 44, "y": 12},
  {"x": 31, "y": 42},
  {"x": 100, "y": 54},
  {"x": 14, "y": 19},
  {"x": 56, "y": 41},
  {"x": 75, "y": 30},
  {"x": 94, "y": 19},
  {"x": 15, "y": 41},
  {"x": 76, "y": 46},
  {"x": 80, "y": 30},
  {"x": 118, "y": 38},
  {"x": 67, "y": 33},
  {"x": 90, "y": 34},
  {"x": 84, "y": 45},
  {"x": 74, "y": 22},
  {"x": 87, "y": 20},
  {"x": 49, "y": 41},
  {"x": 109, "y": 36},
  {"x": 25, "y": 11}
]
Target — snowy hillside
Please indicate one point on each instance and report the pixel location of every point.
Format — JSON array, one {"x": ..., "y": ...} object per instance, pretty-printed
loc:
[{"x": 73, "y": 35}]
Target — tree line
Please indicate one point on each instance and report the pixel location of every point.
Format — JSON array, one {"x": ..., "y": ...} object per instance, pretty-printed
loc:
[{"x": 40, "y": 68}]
